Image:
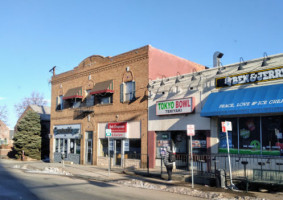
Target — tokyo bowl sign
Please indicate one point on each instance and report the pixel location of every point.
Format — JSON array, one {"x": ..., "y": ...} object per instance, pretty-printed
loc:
[{"x": 176, "y": 106}]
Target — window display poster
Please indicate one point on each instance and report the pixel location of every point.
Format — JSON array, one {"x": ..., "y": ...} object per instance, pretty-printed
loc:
[
  {"x": 223, "y": 141},
  {"x": 199, "y": 143}
]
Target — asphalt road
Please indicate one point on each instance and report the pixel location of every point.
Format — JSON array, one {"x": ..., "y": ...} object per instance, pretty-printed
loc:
[{"x": 16, "y": 184}]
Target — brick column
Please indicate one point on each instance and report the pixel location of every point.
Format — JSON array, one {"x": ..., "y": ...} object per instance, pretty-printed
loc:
[{"x": 151, "y": 148}]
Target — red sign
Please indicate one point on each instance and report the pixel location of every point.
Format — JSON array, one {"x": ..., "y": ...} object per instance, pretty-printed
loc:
[
  {"x": 223, "y": 127},
  {"x": 118, "y": 127}
]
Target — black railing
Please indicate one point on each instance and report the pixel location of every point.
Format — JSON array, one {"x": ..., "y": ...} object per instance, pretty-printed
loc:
[{"x": 255, "y": 168}]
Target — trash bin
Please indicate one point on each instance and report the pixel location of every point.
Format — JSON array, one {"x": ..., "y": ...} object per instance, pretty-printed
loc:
[{"x": 220, "y": 176}]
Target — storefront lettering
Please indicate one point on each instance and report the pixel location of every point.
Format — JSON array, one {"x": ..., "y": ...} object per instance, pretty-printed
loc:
[
  {"x": 175, "y": 106},
  {"x": 276, "y": 101},
  {"x": 257, "y": 76},
  {"x": 166, "y": 105},
  {"x": 68, "y": 130},
  {"x": 254, "y": 103}
]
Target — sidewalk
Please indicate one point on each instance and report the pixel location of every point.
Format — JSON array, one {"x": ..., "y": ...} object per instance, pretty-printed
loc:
[{"x": 137, "y": 178}]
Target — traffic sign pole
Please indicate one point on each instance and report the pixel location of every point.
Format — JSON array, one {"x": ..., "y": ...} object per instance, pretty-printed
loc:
[
  {"x": 228, "y": 150},
  {"x": 108, "y": 134},
  {"x": 191, "y": 132}
]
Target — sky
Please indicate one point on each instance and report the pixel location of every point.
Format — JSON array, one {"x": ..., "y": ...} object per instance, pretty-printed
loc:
[{"x": 37, "y": 35}]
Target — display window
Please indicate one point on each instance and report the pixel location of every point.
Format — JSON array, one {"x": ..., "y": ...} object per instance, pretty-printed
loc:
[
  {"x": 272, "y": 139},
  {"x": 249, "y": 135},
  {"x": 134, "y": 148},
  {"x": 163, "y": 140},
  {"x": 253, "y": 135},
  {"x": 199, "y": 142},
  {"x": 67, "y": 146}
]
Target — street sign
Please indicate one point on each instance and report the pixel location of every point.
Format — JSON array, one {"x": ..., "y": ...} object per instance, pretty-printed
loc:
[
  {"x": 223, "y": 127},
  {"x": 226, "y": 126},
  {"x": 108, "y": 132},
  {"x": 190, "y": 130}
]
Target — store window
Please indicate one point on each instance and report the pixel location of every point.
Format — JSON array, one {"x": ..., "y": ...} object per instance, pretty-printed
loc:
[
  {"x": 71, "y": 146},
  {"x": 163, "y": 140},
  {"x": 249, "y": 135},
  {"x": 134, "y": 146},
  {"x": 232, "y": 137},
  {"x": 78, "y": 146},
  {"x": 199, "y": 142},
  {"x": 57, "y": 148},
  {"x": 253, "y": 135},
  {"x": 179, "y": 139},
  {"x": 272, "y": 139},
  {"x": 103, "y": 151}
]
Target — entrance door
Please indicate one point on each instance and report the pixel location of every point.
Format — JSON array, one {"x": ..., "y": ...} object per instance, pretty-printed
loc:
[
  {"x": 118, "y": 152},
  {"x": 88, "y": 148}
]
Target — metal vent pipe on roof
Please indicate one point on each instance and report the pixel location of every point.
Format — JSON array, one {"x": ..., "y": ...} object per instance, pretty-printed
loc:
[{"x": 216, "y": 58}]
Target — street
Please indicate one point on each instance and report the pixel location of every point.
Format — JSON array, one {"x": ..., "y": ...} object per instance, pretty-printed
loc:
[{"x": 16, "y": 184}]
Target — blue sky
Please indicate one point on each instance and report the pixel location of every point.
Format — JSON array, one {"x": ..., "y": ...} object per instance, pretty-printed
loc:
[{"x": 37, "y": 35}]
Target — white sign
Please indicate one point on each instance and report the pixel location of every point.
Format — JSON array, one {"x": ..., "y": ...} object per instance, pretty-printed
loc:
[
  {"x": 108, "y": 132},
  {"x": 191, "y": 130},
  {"x": 126, "y": 145},
  {"x": 177, "y": 106},
  {"x": 111, "y": 145},
  {"x": 228, "y": 126}
]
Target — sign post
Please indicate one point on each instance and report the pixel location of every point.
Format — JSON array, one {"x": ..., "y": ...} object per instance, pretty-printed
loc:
[
  {"x": 108, "y": 134},
  {"x": 227, "y": 126},
  {"x": 191, "y": 132}
]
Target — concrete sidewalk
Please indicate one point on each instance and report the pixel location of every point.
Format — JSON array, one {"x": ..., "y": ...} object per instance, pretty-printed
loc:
[{"x": 134, "y": 178}]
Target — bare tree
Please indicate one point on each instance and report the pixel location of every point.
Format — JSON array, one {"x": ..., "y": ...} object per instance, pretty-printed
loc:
[
  {"x": 3, "y": 114},
  {"x": 35, "y": 99}
]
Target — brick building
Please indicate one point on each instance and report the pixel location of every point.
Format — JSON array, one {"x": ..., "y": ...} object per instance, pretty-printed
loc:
[{"x": 108, "y": 93}]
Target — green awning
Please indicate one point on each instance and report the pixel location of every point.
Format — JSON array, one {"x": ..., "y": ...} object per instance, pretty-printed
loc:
[
  {"x": 102, "y": 87},
  {"x": 74, "y": 93}
]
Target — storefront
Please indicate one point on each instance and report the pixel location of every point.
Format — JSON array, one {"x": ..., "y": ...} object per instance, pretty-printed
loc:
[
  {"x": 124, "y": 143},
  {"x": 168, "y": 120},
  {"x": 67, "y": 140},
  {"x": 255, "y": 109}
]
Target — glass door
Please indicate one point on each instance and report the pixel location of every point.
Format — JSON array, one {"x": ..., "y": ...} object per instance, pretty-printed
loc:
[
  {"x": 88, "y": 148},
  {"x": 118, "y": 152}
]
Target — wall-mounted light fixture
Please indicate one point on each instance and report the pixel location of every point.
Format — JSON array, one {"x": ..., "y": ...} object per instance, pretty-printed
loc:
[
  {"x": 194, "y": 76},
  {"x": 219, "y": 69},
  {"x": 148, "y": 85},
  {"x": 179, "y": 76},
  {"x": 162, "y": 81},
  {"x": 242, "y": 62},
  {"x": 265, "y": 58}
]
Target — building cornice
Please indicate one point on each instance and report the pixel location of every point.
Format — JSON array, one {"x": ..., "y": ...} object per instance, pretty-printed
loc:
[{"x": 77, "y": 73}]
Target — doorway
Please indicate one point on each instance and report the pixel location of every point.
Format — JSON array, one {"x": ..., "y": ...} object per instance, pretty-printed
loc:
[
  {"x": 88, "y": 148},
  {"x": 117, "y": 152}
]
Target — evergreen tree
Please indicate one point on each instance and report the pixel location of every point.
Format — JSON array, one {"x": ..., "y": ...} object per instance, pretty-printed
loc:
[{"x": 27, "y": 137}]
